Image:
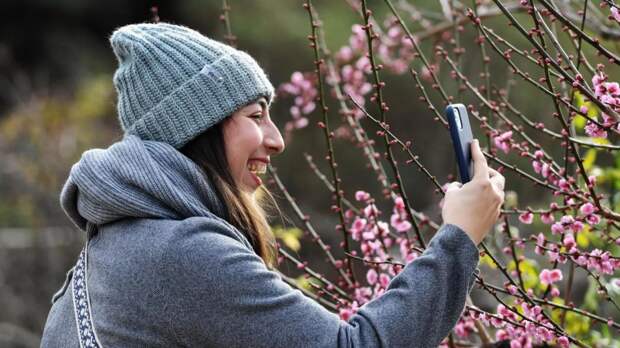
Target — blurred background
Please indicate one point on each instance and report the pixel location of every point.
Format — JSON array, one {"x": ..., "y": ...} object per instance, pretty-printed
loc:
[{"x": 57, "y": 100}]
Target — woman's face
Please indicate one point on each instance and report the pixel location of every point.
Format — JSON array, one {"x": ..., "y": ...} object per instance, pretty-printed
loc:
[{"x": 250, "y": 138}]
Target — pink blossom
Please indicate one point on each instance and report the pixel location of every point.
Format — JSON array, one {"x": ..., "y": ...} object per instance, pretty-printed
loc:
[
  {"x": 357, "y": 41},
  {"x": 545, "y": 170},
  {"x": 539, "y": 154},
  {"x": 384, "y": 280},
  {"x": 512, "y": 289},
  {"x": 594, "y": 130},
  {"x": 612, "y": 88},
  {"x": 563, "y": 342},
  {"x": 537, "y": 166},
  {"x": 404, "y": 248},
  {"x": 368, "y": 235},
  {"x": 593, "y": 219},
  {"x": 587, "y": 208},
  {"x": 582, "y": 260},
  {"x": 501, "y": 335},
  {"x": 569, "y": 240},
  {"x": 355, "y": 84},
  {"x": 548, "y": 277},
  {"x": 356, "y": 229},
  {"x": 363, "y": 64},
  {"x": 553, "y": 256},
  {"x": 302, "y": 88},
  {"x": 361, "y": 196},
  {"x": 557, "y": 228},
  {"x": 345, "y": 314},
  {"x": 382, "y": 228},
  {"x": 345, "y": 54},
  {"x": 577, "y": 226},
  {"x": 411, "y": 257},
  {"x": 371, "y": 276},
  {"x": 399, "y": 203},
  {"x": 615, "y": 13},
  {"x": 598, "y": 79},
  {"x": 547, "y": 218},
  {"x": 526, "y": 217},
  {"x": 567, "y": 220},
  {"x": 540, "y": 242},
  {"x": 563, "y": 184},
  {"x": 555, "y": 292},
  {"x": 400, "y": 225},
  {"x": 503, "y": 141},
  {"x": 370, "y": 210}
]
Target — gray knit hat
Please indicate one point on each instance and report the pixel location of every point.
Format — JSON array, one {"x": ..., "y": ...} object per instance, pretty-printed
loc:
[{"x": 173, "y": 83}]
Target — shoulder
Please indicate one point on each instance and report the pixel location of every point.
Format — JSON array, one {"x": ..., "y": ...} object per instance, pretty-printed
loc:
[
  {"x": 201, "y": 234},
  {"x": 198, "y": 244},
  {"x": 168, "y": 235}
]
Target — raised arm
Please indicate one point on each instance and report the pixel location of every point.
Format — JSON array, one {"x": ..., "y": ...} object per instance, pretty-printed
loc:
[{"x": 221, "y": 294}]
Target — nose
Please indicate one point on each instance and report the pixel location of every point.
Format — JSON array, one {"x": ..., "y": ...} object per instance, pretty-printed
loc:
[{"x": 273, "y": 139}]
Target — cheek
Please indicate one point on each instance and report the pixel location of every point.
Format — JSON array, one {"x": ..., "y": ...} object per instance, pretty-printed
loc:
[{"x": 241, "y": 147}]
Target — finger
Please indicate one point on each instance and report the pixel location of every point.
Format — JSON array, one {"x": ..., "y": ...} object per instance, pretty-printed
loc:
[
  {"x": 455, "y": 185},
  {"x": 481, "y": 169},
  {"x": 498, "y": 181}
]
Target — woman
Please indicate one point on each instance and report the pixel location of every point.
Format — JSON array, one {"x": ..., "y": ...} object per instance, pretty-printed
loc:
[{"x": 179, "y": 250}]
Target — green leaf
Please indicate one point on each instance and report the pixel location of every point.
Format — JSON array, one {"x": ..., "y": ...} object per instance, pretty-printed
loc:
[
  {"x": 304, "y": 283},
  {"x": 589, "y": 159},
  {"x": 583, "y": 237},
  {"x": 289, "y": 236},
  {"x": 529, "y": 272},
  {"x": 590, "y": 300}
]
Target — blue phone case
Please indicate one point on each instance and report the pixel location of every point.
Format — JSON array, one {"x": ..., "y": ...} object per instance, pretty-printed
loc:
[{"x": 462, "y": 137}]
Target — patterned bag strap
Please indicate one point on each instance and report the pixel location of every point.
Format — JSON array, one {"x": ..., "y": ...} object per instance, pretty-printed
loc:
[{"x": 81, "y": 301}]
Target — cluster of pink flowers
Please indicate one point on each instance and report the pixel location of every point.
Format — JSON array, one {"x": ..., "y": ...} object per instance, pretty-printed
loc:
[
  {"x": 522, "y": 333},
  {"x": 609, "y": 94},
  {"x": 601, "y": 261},
  {"x": 375, "y": 242},
  {"x": 395, "y": 49},
  {"x": 615, "y": 14},
  {"x": 540, "y": 166},
  {"x": 354, "y": 83},
  {"x": 302, "y": 87},
  {"x": 548, "y": 277},
  {"x": 464, "y": 327},
  {"x": 353, "y": 66},
  {"x": 503, "y": 141},
  {"x": 399, "y": 217}
]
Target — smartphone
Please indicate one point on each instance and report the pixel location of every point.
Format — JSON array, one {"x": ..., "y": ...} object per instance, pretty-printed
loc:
[{"x": 462, "y": 137}]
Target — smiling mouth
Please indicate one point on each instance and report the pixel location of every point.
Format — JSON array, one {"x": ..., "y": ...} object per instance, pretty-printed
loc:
[{"x": 257, "y": 168}]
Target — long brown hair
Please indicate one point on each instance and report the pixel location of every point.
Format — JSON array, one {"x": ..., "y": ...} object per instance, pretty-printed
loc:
[{"x": 246, "y": 212}]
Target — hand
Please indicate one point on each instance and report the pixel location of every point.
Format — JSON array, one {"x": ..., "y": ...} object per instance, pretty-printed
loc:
[{"x": 475, "y": 206}]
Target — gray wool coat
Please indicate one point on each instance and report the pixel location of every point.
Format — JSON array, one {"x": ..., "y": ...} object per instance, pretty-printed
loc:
[{"x": 165, "y": 270}]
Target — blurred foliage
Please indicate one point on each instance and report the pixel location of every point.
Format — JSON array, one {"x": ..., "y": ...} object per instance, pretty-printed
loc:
[{"x": 289, "y": 236}]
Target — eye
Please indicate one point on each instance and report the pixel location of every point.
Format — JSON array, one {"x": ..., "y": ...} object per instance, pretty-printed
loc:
[{"x": 257, "y": 116}]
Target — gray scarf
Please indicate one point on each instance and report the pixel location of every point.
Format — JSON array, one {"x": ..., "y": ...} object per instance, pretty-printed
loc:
[{"x": 136, "y": 178}]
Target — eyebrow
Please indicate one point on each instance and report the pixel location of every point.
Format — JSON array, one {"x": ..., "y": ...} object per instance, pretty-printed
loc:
[{"x": 263, "y": 104}]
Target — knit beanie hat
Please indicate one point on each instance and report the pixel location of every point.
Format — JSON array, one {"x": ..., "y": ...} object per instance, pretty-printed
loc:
[{"x": 173, "y": 83}]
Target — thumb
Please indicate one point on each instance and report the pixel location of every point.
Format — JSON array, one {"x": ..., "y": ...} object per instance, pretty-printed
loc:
[{"x": 481, "y": 168}]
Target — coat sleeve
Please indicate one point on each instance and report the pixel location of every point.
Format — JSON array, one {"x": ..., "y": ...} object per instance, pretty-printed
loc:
[{"x": 220, "y": 294}]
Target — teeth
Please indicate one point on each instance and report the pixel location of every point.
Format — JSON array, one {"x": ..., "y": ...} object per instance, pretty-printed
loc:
[{"x": 257, "y": 168}]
